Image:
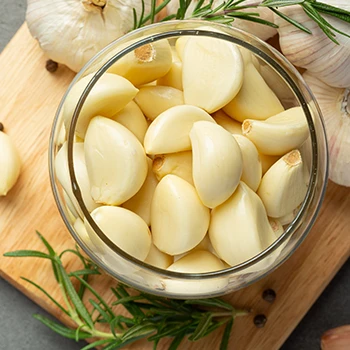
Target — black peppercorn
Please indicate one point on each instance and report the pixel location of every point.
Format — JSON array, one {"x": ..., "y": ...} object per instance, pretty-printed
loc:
[
  {"x": 1, "y": 127},
  {"x": 260, "y": 320},
  {"x": 51, "y": 66},
  {"x": 269, "y": 295}
]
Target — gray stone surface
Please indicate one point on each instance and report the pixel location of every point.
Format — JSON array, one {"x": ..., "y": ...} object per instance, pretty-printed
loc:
[{"x": 18, "y": 330}]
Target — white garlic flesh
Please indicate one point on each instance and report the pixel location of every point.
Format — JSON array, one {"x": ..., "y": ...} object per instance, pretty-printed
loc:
[
  {"x": 279, "y": 134},
  {"x": 124, "y": 228},
  {"x": 109, "y": 95},
  {"x": 283, "y": 186},
  {"x": 217, "y": 163},
  {"x": 212, "y": 72},
  {"x": 179, "y": 220},
  {"x": 116, "y": 161},
  {"x": 10, "y": 164},
  {"x": 169, "y": 132},
  {"x": 239, "y": 228}
]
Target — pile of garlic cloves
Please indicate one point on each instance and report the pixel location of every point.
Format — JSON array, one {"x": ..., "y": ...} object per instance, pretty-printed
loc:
[{"x": 177, "y": 172}]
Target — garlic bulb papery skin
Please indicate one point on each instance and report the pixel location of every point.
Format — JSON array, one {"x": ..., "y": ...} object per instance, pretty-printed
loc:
[
  {"x": 217, "y": 163},
  {"x": 260, "y": 30},
  {"x": 10, "y": 164},
  {"x": 335, "y": 107},
  {"x": 239, "y": 228},
  {"x": 73, "y": 31},
  {"x": 179, "y": 220},
  {"x": 62, "y": 173},
  {"x": 319, "y": 55},
  {"x": 115, "y": 160},
  {"x": 124, "y": 228}
]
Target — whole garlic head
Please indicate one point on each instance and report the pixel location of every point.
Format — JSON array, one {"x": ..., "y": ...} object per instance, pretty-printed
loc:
[
  {"x": 319, "y": 55},
  {"x": 72, "y": 31}
]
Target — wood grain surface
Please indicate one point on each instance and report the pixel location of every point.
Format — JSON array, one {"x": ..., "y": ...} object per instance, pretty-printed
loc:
[{"x": 29, "y": 96}]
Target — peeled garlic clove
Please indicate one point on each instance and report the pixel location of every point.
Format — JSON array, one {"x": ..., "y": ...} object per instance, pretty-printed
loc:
[
  {"x": 116, "y": 161},
  {"x": 288, "y": 218},
  {"x": 81, "y": 174},
  {"x": 179, "y": 164},
  {"x": 145, "y": 64},
  {"x": 133, "y": 119},
  {"x": 109, "y": 95},
  {"x": 154, "y": 100},
  {"x": 255, "y": 99},
  {"x": 10, "y": 164},
  {"x": 335, "y": 107},
  {"x": 169, "y": 132},
  {"x": 124, "y": 228},
  {"x": 279, "y": 134},
  {"x": 252, "y": 170},
  {"x": 158, "y": 259},
  {"x": 248, "y": 57},
  {"x": 217, "y": 163},
  {"x": 276, "y": 226},
  {"x": 180, "y": 46},
  {"x": 204, "y": 244},
  {"x": 199, "y": 261},
  {"x": 174, "y": 77},
  {"x": 239, "y": 228},
  {"x": 267, "y": 162},
  {"x": 175, "y": 201},
  {"x": 231, "y": 125},
  {"x": 73, "y": 210},
  {"x": 283, "y": 187},
  {"x": 141, "y": 202},
  {"x": 80, "y": 229},
  {"x": 212, "y": 72}
]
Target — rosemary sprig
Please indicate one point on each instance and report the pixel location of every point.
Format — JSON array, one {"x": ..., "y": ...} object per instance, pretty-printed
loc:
[
  {"x": 151, "y": 317},
  {"x": 229, "y": 10}
]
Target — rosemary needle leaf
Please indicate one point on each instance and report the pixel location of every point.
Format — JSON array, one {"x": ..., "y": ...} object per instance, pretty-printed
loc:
[
  {"x": 153, "y": 10},
  {"x": 60, "y": 329},
  {"x": 177, "y": 341},
  {"x": 84, "y": 272},
  {"x": 226, "y": 335},
  {"x": 107, "y": 318},
  {"x": 292, "y": 21},
  {"x": 137, "y": 331},
  {"x": 96, "y": 343},
  {"x": 74, "y": 297},
  {"x": 47, "y": 294},
  {"x": 281, "y": 3},
  {"x": 202, "y": 327},
  {"x": 27, "y": 254},
  {"x": 322, "y": 6},
  {"x": 213, "y": 302},
  {"x": 98, "y": 296}
]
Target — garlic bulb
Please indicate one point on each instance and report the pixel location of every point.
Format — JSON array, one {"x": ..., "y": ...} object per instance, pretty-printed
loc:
[
  {"x": 260, "y": 30},
  {"x": 335, "y": 107},
  {"x": 319, "y": 55},
  {"x": 10, "y": 164},
  {"x": 72, "y": 31}
]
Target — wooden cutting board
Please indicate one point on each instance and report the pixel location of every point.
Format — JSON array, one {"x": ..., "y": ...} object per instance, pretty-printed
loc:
[{"x": 29, "y": 96}]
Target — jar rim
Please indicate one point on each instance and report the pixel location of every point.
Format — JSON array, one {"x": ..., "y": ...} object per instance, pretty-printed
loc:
[{"x": 293, "y": 226}]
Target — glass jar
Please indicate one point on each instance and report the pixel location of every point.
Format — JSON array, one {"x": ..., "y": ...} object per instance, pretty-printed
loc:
[{"x": 289, "y": 87}]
